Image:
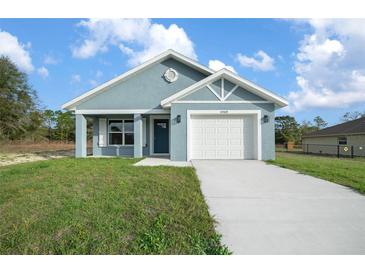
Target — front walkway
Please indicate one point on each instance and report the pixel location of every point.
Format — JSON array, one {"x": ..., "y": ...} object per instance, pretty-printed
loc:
[
  {"x": 265, "y": 209},
  {"x": 161, "y": 161}
]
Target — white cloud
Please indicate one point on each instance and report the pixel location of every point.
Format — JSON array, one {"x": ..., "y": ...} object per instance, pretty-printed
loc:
[
  {"x": 75, "y": 78},
  {"x": 93, "y": 83},
  {"x": 139, "y": 39},
  {"x": 17, "y": 52},
  {"x": 43, "y": 72},
  {"x": 126, "y": 50},
  {"x": 330, "y": 65},
  {"x": 260, "y": 61},
  {"x": 217, "y": 65},
  {"x": 50, "y": 60},
  {"x": 98, "y": 74}
]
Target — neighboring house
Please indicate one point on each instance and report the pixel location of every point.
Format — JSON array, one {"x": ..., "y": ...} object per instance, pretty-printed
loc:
[
  {"x": 345, "y": 139},
  {"x": 172, "y": 105}
]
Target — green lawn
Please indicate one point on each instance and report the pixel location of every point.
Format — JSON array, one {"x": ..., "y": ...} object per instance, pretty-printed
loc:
[
  {"x": 103, "y": 206},
  {"x": 347, "y": 172}
]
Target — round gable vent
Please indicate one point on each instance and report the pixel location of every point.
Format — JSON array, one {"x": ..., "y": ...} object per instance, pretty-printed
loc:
[{"x": 171, "y": 75}]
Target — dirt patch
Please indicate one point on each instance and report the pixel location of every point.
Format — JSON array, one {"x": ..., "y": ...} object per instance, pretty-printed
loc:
[
  {"x": 23, "y": 147},
  {"x": 17, "y": 158}
]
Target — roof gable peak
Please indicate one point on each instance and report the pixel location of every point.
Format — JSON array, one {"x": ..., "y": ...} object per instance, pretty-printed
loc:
[
  {"x": 170, "y": 53},
  {"x": 234, "y": 78}
]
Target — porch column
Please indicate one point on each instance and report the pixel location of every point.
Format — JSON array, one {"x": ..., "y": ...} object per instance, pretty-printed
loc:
[
  {"x": 138, "y": 136},
  {"x": 80, "y": 149}
]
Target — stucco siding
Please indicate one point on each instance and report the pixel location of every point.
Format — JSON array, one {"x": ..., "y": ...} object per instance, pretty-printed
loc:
[
  {"x": 179, "y": 130},
  {"x": 145, "y": 90},
  {"x": 321, "y": 140},
  {"x": 333, "y": 140},
  {"x": 216, "y": 86},
  {"x": 228, "y": 86},
  {"x": 356, "y": 140},
  {"x": 201, "y": 94},
  {"x": 242, "y": 94}
]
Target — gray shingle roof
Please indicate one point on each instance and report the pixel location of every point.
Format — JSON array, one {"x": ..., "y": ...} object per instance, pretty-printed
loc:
[{"x": 352, "y": 127}]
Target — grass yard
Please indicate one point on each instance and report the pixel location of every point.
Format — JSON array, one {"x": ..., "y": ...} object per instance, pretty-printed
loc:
[
  {"x": 103, "y": 206},
  {"x": 347, "y": 172}
]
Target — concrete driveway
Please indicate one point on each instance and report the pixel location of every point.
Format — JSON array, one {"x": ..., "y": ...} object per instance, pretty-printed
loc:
[{"x": 265, "y": 209}]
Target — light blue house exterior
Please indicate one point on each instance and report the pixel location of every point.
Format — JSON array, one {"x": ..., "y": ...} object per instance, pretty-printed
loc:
[{"x": 174, "y": 106}]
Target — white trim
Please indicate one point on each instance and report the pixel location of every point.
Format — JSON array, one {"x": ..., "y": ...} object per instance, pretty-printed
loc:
[
  {"x": 122, "y": 111},
  {"x": 103, "y": 133},
  {"x": 228, "y": 75},
  {"x": 140, "y": 132},
  {"x": 230, "y": 93},
  {"x": 224, "y": 112},
  {"x": 152, "y": 133},
  {"x": 159, "y": 58},
  {"x": 144, "y": 132},
  {"x": 222, "y": 102},
  {"x": 213, "y": 91},
  {"x": 222, "y": 89}
]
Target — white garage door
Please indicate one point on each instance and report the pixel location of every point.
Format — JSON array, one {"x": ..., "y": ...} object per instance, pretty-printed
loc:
[{"x": 221, "y": 137}]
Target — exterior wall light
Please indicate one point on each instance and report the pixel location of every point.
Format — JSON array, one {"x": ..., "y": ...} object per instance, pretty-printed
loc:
[
  {"x": 265, "y": 119},
  {"x": 178, "y": 119}
]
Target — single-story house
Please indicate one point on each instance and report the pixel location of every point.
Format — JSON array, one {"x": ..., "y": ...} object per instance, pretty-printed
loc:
[
  {"x": 345, "y": 139},
  {"x": 172, "y": 105}
]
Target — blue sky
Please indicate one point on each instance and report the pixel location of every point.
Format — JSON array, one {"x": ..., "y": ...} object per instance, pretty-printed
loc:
[{"x": 315, "y": 64}]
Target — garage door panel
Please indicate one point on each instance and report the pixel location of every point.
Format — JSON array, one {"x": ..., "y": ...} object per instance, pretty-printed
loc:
[
  {"x": 208, "y": 122},
  {"x": 217, "y": 137},
  {"x": 210, "y": 130},
  {"x": 236, "y": 142},
  {"x": 210, "y": 142},
  {"x": 223, "y": 142},
  {"x": 235, "y": 130},
  {"x": 234, "y": 135},
  {"x": 223, "y": 130},
  {"x": 222, "y": 136},
  {"x": 222, "y": 154},
  {"x": 220, "y": 122},
  {"x": 235, "y": 123},
  {"x": 236, "y": 154},
  {"x": 210, "y": 154}
]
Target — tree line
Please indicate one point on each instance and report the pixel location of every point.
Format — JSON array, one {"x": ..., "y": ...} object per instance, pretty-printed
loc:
[
  {"x": 22, "y": 117},
  {"x": 287, "y": 129}
]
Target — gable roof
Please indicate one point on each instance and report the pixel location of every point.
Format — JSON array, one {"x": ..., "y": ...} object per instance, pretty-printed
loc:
[
  {"x": 352, "y": 127},
  {"x": 234, "y": 78},
  {"x": 159, "y": 58}
]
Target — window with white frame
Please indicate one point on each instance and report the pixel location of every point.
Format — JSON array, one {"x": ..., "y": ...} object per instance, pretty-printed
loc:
[{"x": 121, "y": 132}]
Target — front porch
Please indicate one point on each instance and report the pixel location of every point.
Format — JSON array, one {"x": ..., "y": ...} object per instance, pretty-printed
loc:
[{"x": 126, "y": 135}]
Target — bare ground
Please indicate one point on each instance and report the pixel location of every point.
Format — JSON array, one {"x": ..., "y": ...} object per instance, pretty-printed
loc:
[
  {"x": 22, "y": 152},
  {"x": 17, "y": 158}
]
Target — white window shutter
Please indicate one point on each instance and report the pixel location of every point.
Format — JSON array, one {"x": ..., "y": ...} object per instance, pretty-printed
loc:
[
  {"x": 144, "y": 132},
  {"x": 102, "y": 132}
]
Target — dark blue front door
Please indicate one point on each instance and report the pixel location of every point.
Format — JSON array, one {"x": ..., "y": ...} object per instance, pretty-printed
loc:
[{"x": 161, "y": 138}]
